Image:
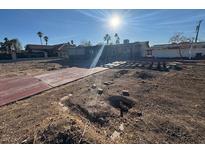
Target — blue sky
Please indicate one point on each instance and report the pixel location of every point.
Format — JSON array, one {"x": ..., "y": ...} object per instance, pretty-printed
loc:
[{"x": 156, "y": 26}]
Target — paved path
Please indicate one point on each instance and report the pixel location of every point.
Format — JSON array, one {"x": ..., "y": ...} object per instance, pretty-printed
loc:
[
  {"x": 67, "y": 75},
  {"x": 17, "y": 88},
  {"x": 13, "y": 89}
]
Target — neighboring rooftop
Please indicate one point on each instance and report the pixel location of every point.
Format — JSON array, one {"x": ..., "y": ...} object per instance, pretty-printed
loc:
[{"x": 56, "y": 47}]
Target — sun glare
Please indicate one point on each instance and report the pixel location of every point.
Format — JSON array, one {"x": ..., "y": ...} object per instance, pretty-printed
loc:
[{"x": 115, "y": 21}]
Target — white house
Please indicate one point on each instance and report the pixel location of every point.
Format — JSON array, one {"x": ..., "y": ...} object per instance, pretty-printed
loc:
[{"x": 186, "y": 50}]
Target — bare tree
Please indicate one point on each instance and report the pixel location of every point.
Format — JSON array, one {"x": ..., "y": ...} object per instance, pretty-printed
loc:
[
  {"x": 7, "y": 44},
  {"x": 11, "y": 45},
  {"x": 179, "y": 38},
  {"x": 16, "y": 45}
]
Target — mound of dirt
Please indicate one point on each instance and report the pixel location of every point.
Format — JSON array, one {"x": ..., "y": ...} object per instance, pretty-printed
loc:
[
  {"x": 57, "y": 133},
  {"x": 95, "y": 111},
  {"x": 144, "y": 75},
  {"x": 120, "y": 73}
]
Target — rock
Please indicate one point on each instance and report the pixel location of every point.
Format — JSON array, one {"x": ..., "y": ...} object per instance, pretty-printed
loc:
[
  {"x": 64, "y": 99},
  {"x": 108, "y": 83},
  {"x": 125, "y": 93},
  {"x": 115, "y": 135},
  {"x": 168, "y": 67},
  {"x": 94, "y": 86},
  {"x": 24, "y": 141},
  {"x": 102, "y": 120},
  {"x": 70, "y": 95},
  {"x": 121, "y": 127},
  {"x": 100, "y": 91},
  {"x": 139, "y": 114}
]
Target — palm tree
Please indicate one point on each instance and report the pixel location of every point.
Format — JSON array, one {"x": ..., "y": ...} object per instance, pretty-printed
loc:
[
  {"x": 117, "y": 38},
  {"x": 40, "y": 35},
  {"x": 107, "y": 38},
  {"x": 46, "y": 39},
  {"x": 6, "y": 39}
]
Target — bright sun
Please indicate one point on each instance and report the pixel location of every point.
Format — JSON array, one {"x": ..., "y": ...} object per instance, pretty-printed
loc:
[{"x": 115, "y": 21}]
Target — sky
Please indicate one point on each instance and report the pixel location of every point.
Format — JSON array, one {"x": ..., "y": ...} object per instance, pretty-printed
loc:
[{"x": 61, "y": 26}]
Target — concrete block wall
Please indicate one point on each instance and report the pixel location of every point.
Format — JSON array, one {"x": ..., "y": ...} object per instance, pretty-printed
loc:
[
  {"x": 174, "y": 53},
  {"x": 110, "y": 53}
]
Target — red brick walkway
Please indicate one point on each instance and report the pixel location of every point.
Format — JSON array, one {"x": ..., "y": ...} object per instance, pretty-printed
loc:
[
  {"x": 60, "y": 77},
  {"x": 13, "y": 89},
  {"x": 16, "y": 88}
]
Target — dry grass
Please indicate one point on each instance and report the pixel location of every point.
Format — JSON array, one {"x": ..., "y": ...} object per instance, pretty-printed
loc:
[{"x": 171, "y": 103}]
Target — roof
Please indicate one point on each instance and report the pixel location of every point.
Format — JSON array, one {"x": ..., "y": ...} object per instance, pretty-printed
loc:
[
  {"x": 56, "y": 47},
  {"x": 39, "y": 47}
]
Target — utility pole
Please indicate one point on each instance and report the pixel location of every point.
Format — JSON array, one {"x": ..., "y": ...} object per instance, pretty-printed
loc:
[{"x": 197, "y": 30}]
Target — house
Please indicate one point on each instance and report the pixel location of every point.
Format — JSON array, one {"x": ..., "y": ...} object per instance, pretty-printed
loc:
[
  {"x": 185, "y": 50},
  {"x": 48, "y": 50}
]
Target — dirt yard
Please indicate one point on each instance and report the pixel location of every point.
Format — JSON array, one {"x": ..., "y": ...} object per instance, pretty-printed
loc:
[
  {"x": 31, "y": 67},
  {"x": 157, "y": 107}
]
